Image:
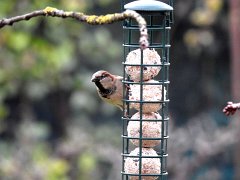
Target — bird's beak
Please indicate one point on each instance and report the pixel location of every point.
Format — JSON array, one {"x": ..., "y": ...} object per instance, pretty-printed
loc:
[{"x": 94, "y": 79}]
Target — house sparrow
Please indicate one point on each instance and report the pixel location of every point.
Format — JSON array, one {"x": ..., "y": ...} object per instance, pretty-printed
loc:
[
  {"x": 109, "y": 87},
  {"x": 231, "y": 108}
]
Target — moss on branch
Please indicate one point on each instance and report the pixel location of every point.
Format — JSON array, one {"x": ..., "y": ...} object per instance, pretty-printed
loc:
[{"x": 90, "y": 19}]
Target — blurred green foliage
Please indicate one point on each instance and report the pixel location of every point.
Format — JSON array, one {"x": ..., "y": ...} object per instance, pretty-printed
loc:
[
  {"x": 86, "y": 164},
  {"x": 46, "y": 65},
  {"x": 50, "y": 50}
]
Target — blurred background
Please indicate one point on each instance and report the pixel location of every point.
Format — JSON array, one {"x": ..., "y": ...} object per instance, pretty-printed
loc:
[{"x": 53, "y": 126}]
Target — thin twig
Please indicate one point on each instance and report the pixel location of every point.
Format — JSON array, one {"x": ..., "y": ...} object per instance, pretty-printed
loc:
[{"x": 90, "y": 19}]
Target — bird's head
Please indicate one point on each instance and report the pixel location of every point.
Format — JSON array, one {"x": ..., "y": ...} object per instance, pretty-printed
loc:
[{"x": 104, "y": 78}]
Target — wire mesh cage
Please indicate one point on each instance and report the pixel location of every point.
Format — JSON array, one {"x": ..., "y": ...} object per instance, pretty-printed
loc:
[{"x": 146, "y": 78}]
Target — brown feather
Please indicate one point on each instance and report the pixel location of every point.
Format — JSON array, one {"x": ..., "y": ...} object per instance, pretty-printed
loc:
[{"x": 109, "y": 87}]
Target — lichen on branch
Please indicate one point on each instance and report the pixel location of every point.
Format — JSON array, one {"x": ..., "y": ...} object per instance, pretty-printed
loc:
[{"x": 90, "y": 19}]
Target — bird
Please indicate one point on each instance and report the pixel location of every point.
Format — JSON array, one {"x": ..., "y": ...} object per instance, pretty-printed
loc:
[
  {"x": 231, "y": 108},
  {"x": 109, "y": 87}
]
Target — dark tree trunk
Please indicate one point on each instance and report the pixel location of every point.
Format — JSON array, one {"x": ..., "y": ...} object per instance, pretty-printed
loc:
[
  {"x": 235, "y": 67},
  {"x": 235, "y": 47}
]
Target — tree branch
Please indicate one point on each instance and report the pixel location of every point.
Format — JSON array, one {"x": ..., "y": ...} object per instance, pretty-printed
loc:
[{"x": 90, "y": 19}]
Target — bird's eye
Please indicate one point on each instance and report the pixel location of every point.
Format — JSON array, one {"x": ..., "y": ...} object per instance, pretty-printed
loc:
[{"x": 103, "y": 76}]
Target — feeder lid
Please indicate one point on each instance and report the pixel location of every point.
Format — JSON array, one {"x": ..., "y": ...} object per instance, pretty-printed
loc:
[{"x": 148, "y": 5}]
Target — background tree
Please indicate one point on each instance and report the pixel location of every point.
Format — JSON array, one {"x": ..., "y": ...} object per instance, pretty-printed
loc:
[{"x": 235, "y": 64}]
